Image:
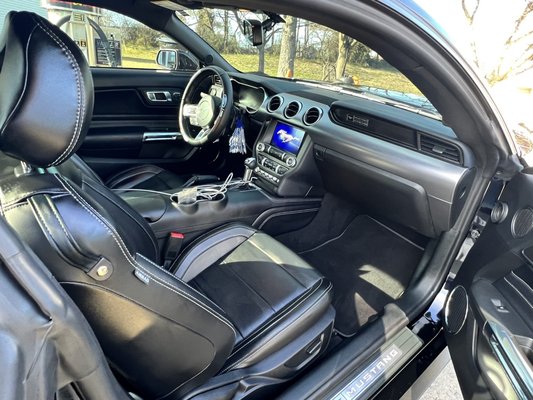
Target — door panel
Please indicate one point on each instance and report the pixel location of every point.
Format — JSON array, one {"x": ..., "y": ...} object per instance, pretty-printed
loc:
[
  {"x": 135, "y": 122},
  {"x": 489, "y": 314}
]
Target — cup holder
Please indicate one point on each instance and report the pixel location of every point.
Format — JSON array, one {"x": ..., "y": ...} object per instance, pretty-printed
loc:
[
  {"x": 188, "y": 208},
  {"x": 218, "y": 203}
]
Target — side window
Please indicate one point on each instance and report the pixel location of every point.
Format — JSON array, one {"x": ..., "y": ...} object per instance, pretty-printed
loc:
[{"x": 109, "y": 39}]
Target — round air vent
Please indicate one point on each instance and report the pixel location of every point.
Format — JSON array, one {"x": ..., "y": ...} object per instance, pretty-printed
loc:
[
  {"x": 312, "y": 115},
  {"x": 274, "y": 103},
  {"x": 522, "y": 222},
  {"x": 292, "y": 109},
  {"x": 456, "y": 310}
]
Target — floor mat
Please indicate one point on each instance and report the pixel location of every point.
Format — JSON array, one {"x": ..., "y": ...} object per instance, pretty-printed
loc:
[{"x": 369, "y": 265}]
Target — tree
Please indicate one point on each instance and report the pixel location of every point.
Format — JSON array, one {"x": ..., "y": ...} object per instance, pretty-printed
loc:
[
  {"x": 516, "y": 56},
  {"x": 287, "y": 52},
  {"x": 344, "y": 46}
]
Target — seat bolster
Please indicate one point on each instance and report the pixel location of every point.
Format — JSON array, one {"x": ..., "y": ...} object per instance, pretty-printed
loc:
[
  {"x": 75, "y": 161},
  {"x": 208, "y": 249}
]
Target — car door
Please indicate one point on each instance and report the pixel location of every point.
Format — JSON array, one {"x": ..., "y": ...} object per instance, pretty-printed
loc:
[
  {"x": 137, "y": 93},
  {"x": 135, "y": 122},
  {"x": 489, "y": 311}
]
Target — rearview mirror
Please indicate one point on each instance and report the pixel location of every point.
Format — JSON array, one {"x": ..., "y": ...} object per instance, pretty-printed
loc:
[{"x": 253, "y": 30}]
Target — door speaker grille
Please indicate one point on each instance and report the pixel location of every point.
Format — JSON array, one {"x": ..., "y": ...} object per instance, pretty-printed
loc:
[
  {"x": 456, "y": 310},
  {"x": 522, "y": 222}
]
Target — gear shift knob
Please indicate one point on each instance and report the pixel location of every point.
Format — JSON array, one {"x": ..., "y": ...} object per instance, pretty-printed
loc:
[{"x": 249, "y": 164}]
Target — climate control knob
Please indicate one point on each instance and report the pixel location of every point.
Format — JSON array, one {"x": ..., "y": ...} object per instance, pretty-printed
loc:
[
  {"x": 260, "y": 147},
  {"x": 291, "y": 161}
]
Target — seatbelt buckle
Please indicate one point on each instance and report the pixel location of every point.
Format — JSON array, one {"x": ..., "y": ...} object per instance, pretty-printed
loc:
[{"x": 172, "y": 248}]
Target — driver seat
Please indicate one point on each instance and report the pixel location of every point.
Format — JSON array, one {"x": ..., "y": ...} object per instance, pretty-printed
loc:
[
  {"x": 146, "y": 176},
  {"x": 239, "y": 314}
]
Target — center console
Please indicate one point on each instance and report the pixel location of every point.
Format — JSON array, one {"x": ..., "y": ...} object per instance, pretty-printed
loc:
[
  {"x": 279, "y": 193},
  {"x": 285, "y": 165}
]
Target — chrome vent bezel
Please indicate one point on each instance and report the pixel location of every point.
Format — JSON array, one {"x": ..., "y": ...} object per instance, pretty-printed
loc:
[
  {"x": 288, "y": 108},
  {"x": 319, "y": 114},
  {"x": 269, "y": 105}
]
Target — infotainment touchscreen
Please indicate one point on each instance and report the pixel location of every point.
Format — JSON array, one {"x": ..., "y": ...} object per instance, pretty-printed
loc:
[{"x": 287, "y": 138}]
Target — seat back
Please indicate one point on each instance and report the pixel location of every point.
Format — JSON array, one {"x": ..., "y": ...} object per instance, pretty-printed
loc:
[{"x": 159, "y": 334}]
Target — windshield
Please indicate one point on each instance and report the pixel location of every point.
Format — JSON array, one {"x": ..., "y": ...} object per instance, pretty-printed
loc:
[{"x": 303, "y": 50}]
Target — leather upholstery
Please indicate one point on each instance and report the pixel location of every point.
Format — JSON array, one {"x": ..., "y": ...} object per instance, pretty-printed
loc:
[
  {"x": 238, "y": 297},
  {"x": 159, "y": 333},
  {"x": 145, "y": 176},
  {"x": 153, "y": 177},
  {"x": 39, "y": 61},
  {"x": 233, "y": 266}
]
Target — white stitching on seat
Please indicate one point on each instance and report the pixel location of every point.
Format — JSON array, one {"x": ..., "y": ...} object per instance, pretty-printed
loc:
[
  {"x": 168, "y": 273},
  {"x": 29, "y": 194},
  {"x": 60, "y": 221},
  {"x": 12, "y": 207},
  {"x": 80, "y": 112},
  {"x": 156, "y": 248},
  {"x": 118, "y": 240}
]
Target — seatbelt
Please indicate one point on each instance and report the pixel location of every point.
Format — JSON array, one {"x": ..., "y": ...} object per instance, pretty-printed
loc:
[
  {"x": 483, "y": 215},
  {"x": 172, "y": 248}
]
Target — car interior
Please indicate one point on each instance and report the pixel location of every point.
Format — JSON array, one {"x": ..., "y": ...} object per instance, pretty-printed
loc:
[{"x": 205, "y": 274}]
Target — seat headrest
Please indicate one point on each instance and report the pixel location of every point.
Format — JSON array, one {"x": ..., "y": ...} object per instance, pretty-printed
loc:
[{"x": 46, "y": 91}]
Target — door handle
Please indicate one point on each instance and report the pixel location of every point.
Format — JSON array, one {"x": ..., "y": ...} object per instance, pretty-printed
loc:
[
  {"x": 160, "y": 136},
  {"x": 162, "y": 96}
]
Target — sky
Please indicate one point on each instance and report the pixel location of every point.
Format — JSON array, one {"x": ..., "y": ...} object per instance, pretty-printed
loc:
[{"x": 492, "y": 26}]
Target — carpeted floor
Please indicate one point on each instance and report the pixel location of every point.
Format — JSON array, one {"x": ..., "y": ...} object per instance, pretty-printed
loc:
[{"x": 369, "y": 265}]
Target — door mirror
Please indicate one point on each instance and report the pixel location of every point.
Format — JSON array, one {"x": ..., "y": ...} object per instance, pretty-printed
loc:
[
  {"x": 176, "y": 60},
  {"x": 253, "y": 30},
  {"x": 166, "y": 58}
]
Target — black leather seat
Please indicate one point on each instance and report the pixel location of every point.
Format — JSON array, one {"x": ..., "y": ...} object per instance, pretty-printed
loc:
[
  {"x": 152, "y": 177},
  {"x": 145, "y": 176},
  {"x": 240, "y": 311}
]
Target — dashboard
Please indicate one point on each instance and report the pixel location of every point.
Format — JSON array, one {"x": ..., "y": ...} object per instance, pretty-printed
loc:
[{"x": 406, "y": 167}]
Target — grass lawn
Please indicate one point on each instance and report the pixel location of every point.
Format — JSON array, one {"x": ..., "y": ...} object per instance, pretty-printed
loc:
[
  {"x": 134, "y": 57},
  {"x": 308, "y": 69}
]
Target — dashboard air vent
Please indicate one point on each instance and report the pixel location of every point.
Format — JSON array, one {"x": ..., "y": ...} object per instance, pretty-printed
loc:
[
  {"x": 312, "y": 115},
  {"x": 274, "y": 103},
  {"x": 439, "y": 148},
  {"x": 292, "y": 109}
]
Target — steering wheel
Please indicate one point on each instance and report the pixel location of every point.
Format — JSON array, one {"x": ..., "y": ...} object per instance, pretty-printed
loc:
[{"x": 212, "y": 112}]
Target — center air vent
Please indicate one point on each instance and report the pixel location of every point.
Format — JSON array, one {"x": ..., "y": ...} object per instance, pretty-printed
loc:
[
  {"x": 292, "y": 109},
  {"x": 274, "y": 103},
  {"x": 439, "y": 148},
  {"x": 312, "y": 115}
]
